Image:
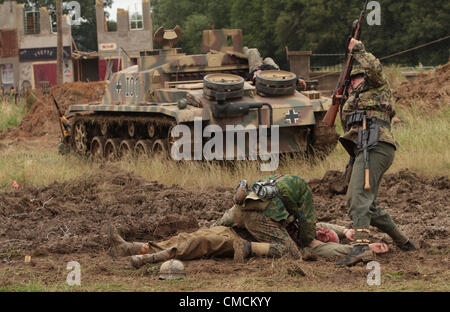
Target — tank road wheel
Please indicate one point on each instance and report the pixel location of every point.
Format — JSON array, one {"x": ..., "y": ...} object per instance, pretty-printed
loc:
[
  {"x": 152, "y": 130},
  {"x": 104, "y": 129},
  {"x": 98, "y": 148},
  {"x": 143, "y": 148},
  {"x": 126, "y": 148},
  {"x": 131, "y": 127},
  {"x": 276, "y": 82},
  {"x": 80, "y": 138},
  {"x": 112, "y": 149},
  {"x": 160, "y": 148}
]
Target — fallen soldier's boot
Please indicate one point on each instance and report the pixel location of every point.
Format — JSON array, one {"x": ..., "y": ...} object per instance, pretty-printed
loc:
[
  {"x": 408, "y": 246},
  {"x": 359, "y": 253},
  {"x": 242, "y": 250},
  {"x": 121, "y": 248},
  {"x": 139, "y": 260}
]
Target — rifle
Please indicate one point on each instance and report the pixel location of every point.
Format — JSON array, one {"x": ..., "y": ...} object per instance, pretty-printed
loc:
[
  {"x": 62, "y": 120},
  {"x": 340, "y": 94}
]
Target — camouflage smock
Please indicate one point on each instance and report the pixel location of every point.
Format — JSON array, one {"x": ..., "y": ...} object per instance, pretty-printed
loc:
[
  {"x": 375, "y": 96},
  {"x": 299, "y": 201}
]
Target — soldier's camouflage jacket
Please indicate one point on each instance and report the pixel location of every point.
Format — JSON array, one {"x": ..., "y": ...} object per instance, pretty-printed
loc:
[
  {"x": 298, "y": 198},
  {"x": 375, "y": 96}
]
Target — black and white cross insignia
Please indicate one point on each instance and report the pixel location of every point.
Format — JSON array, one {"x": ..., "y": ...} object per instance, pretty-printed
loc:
[
  {"x": 118, "y": 87},
  {"x": 292, "y": 117}
]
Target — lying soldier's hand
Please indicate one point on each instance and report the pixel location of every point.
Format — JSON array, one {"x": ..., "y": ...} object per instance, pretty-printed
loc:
[
  {"x": 379, "y": 248},
  {"x": 350, "y": 234}
]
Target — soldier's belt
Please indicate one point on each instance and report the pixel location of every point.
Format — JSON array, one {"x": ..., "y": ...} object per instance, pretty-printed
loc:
[{"x": 357, "y": 117}]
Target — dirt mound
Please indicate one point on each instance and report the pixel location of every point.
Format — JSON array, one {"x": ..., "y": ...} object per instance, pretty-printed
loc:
[
  {"x": 429, "y": 91},
  {"x": 73, "y": 217},
  {"x": 42, "y": 118}
]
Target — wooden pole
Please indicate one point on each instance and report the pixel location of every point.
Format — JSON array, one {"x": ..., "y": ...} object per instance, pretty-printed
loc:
[{"x": 60, "y": 60}]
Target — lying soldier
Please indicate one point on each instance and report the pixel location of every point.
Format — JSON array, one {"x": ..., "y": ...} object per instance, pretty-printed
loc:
[{"x": 219, "y": 241}]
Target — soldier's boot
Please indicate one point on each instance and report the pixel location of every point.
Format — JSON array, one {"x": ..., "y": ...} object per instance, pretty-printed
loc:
[
  {"x": 387, "y": 225},
  {"x": 140, "y": 260},
  {"x": 244, "y": 249},
  {"x": 361, "y": 252},
  {"x": 401, "y": 240},
  {"x": 121, "y": 248}
]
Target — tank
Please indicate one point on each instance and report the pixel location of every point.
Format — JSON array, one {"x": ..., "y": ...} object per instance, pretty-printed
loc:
[{"x": 144, "y": 103}]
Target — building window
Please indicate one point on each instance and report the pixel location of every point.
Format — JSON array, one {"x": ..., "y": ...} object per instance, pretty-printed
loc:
[
  {"x": 31, "y": 22},
  {"x": 136, "y": 18},
  {"x": 7, "y": 74},
  {"x": 53, "y": 24}
]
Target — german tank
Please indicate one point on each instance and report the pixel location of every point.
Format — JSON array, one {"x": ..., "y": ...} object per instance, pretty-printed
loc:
[{"x": 144, "y": 103}]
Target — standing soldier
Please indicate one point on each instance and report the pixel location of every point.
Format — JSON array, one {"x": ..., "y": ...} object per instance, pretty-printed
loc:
[{"x": 369, "y": 140}]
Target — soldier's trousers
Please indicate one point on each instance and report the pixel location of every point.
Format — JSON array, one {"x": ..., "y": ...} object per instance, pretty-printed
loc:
[
  {"x": 265, "y": 230},
  {"x": 363, "y": 204}
]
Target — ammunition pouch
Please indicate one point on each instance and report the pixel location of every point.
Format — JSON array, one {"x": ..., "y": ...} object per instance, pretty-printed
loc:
[{"x": 372, "y": 134}]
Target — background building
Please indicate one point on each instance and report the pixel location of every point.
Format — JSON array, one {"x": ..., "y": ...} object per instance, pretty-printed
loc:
[
  {"x": 134, "y": 34},
  {"x": 28, "y": 46}
]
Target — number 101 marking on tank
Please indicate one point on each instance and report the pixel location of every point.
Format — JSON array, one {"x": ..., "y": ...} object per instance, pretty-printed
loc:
[{"x": 131, "y": 85}]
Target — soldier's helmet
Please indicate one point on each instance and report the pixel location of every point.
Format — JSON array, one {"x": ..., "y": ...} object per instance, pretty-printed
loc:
[{"x": 172, "y": 269}]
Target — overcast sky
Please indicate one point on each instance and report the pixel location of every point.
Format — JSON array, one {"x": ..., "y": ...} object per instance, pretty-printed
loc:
[{"x": 123, "y": 4}]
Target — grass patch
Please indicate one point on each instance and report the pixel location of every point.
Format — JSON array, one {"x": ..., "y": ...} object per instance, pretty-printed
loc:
[
  {"x": 11, "y": 114},
  {"x": 423, "y": 139}
]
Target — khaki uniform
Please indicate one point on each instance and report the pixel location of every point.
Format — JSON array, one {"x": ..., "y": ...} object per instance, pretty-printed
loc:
[{"x": 218, "y": 241}]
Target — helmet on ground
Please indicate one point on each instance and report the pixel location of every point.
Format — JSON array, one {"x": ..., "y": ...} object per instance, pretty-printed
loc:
[{"x": 172, "y": 269}]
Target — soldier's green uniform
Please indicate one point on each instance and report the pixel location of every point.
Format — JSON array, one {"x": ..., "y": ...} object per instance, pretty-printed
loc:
[
  {"x": 266, "y": 220},
  {"x": 374, "y": 97}
]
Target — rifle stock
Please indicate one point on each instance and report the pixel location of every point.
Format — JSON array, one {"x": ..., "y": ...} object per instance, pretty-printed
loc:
[
  {"x": 64, "y": 133},
  {"x": 340, "y": 94}
]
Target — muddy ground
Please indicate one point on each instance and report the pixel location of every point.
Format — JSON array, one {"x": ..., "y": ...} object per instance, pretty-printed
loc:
[
  {"x": 68, "y": 221},
  {"x": 430, "y": 91}
]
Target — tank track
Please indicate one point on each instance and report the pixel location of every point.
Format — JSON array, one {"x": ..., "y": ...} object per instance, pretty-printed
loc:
[{"x": 115, "y": 136}]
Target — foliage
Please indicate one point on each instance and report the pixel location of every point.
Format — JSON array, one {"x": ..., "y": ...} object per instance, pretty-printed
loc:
[{"x": 320, "y": 26}]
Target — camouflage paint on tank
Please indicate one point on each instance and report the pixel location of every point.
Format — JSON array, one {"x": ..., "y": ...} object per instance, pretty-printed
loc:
[
  {"x": 223, "y": 40},
  {"x": 180, "y": 115},
  {"x": 163, "y": 78},
  {"x": 132, "y": 86}
]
